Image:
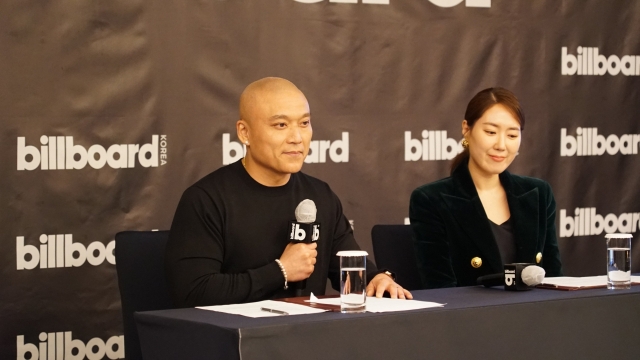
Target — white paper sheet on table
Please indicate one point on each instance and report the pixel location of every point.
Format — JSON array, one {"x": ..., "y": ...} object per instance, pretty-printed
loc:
[
  {"x": 378, "y": 305},
  {"x": 254, "y": 309},
  {"x": 584, "y": 281}
]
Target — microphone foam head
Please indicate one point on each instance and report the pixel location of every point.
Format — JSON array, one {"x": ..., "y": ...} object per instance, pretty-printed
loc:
[
  {"x": 306, "y": 211},
  {"x": 533, "y": 275}
]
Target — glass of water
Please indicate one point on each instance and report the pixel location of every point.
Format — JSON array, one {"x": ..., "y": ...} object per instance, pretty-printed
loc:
[
  {"x": 353, "y": 281},
  {"x": 618, "y": 261}
]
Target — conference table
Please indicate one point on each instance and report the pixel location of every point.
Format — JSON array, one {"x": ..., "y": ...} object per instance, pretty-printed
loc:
[{"x": 475, "y": 323}]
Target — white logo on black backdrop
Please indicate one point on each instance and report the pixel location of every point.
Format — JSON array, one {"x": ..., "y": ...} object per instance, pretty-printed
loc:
[
  {"x": 588, "y": 222},
  {"x": 61, "y": 345},
  {"x": 337, "y": 150},
  {"x": 434, "y": 145},
  {"x": 232, "y": 151},
  {"x": 588, "y": 142},
  {"x": 589, "y": 61},
  {"x": 60, "y": 153},
  {"x": 441, "y": 3},
  {"x": 319, "y": 150},
  {"x": 59, "y": 251}
]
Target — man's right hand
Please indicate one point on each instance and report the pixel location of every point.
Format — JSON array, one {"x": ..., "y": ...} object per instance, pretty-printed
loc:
[{"x": 298, "y": 260}]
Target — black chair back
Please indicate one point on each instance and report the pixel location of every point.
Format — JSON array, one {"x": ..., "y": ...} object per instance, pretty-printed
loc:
[
  {"x": 393, "y": 250},
  {"x": 141, "y": 279}
]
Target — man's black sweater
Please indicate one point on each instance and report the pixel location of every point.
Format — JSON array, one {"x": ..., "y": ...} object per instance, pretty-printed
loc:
[{"x": 228, "y": 230}]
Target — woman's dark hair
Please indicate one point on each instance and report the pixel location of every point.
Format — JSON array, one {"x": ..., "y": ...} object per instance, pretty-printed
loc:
[{"x": 482, "y": 102}]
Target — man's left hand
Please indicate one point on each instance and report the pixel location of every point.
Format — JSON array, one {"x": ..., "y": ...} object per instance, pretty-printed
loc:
[{"x": 381, "y": 283}]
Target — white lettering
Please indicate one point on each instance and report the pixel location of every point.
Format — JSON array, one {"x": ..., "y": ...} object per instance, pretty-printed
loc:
[
  {"x": 61, "y": 345},
  {"x": 589, "y": 61},
  {"x": 435, "y": 145},
  {"x": 338, "y": 150},
  {"x": 152, "y": 151},
  {"x": 509, "y": 279},
  {"x": 22, "y": 251},
  {"x": 324, "y": 146},
  {"x": 163, "y": 149},
  {"x": 24, "y": 349},
  {"x": 97, "y": 163},
  {"x": 588, "y": 142},
  {"x": 70, "y": 345},
  {"x": 96, "y": 253},
  {"x": 569, "y": 63},
  {"x": 409, "y": 146},
  {"x": 23, "y": 152},
  {"x": 57, "y": 251},
  {"x": 121, "y": 161},
  {"x": 232, "y": 151},
  {"x": 298, "y": 233},
  {"x": 588, "y": 222},
  {"x": 60, "y": 153},
  {"x": 72, "y": 151}
]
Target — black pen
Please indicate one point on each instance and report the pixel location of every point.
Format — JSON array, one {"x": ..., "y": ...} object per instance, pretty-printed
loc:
[{"x": 280, "y": 312}]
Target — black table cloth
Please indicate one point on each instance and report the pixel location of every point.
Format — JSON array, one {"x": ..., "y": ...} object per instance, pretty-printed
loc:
[{"x": 477, "y": 322}]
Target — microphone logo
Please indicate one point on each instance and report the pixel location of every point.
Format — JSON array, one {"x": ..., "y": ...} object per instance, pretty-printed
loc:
[
  {"x": 509, "y": 277},
  {"x": 304, "y": 232},
  {"x": 305, "y": 229},
  {"x": 297, "y": 233}
]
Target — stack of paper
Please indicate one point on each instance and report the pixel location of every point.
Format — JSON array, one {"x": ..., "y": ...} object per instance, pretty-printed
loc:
[
  {"x": 378, "y": 305},
  {"x": 580, "y": 282},
  {"x": 279, "y": 308},
  {"x": 264, "y": 308}
]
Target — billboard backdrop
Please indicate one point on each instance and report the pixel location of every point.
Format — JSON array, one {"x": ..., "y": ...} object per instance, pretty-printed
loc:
[{"x": 109, "y": 110}]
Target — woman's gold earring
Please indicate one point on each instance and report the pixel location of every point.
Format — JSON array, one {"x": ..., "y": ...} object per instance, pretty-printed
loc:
[{"x": 465, "y": 143}]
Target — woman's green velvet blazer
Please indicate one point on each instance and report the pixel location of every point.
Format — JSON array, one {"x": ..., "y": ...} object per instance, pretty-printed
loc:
[{"x": 452, "y": 234}]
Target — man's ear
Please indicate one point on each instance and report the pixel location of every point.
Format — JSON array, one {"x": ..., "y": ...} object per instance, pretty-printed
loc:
[{"x": 242, "y": 128}]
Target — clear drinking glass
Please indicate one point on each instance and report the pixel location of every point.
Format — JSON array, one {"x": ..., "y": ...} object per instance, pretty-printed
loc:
[
  {"x": 618, "y": 261},
  {"x": 353, "y": 281}
]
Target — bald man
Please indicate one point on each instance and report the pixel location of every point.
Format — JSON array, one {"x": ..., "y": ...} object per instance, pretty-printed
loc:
[{"x": 229, "y": 237}]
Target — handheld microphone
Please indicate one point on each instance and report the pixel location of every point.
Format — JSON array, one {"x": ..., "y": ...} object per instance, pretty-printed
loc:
[
  {"x": 516, "y": 277},
  {"x": 304, "y": 230}
]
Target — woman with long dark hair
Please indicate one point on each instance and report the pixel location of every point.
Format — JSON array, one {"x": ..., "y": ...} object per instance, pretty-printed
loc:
[{"x": 482, "y": 217}]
